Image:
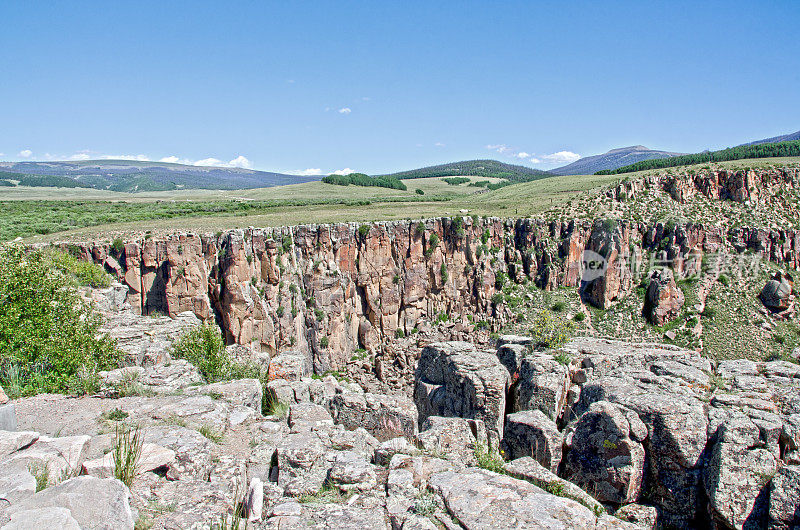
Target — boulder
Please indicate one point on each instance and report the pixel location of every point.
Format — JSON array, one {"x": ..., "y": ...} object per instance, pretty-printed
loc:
[
  {"x": 737, "y": 474},
  {"x": 526, "y": 468},
  {"x": 784, "y": 499},
  {"x": 777, "y": 294},
  {"x": 308, "y": 416},
  {"x": 192, "y": 450},
  {"x": 242, "y": 392},
  {"x": 91, "y": 502},
  {"x": 480, "y": 499},
  {"x": 531, "y": 433},
  {"x": 543, "y": 385},
  {"x": 53, "y": 517},
  {"x": 351, "y": 471},
  {"x": 3, "y": 397},
  {"x": 385, "y": 417},
  {"x": 606, "y": 459},
  {"x": 153, "y": 457},
  {"x": 386, "y": 450},
  {"x": 60, "y": 457},
  {"x": 452, "y": 438},
  {"x": 288, "y": 366},
  {"x": 11, "y": 442},
  {"x": 456, "y": 380},
  {"x": 664, "y": 299},
  {"x": 16, "y": 483}
]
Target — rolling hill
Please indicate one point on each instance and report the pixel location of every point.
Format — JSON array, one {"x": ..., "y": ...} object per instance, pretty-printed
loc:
[
  {"x": 132, "y": 176},
  {"x": 783, "y": 138},
  {"x": 475, "y": 168},
  {"x": 613, "y": 159}
]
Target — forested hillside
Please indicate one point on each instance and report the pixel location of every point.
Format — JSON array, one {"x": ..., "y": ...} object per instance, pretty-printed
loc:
[{"x": 475, "y": 168}]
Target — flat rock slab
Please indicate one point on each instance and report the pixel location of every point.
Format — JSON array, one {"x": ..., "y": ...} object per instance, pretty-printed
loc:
[
  {"x": 92, "y": 503},
  {"x": 480, "y": 499}
]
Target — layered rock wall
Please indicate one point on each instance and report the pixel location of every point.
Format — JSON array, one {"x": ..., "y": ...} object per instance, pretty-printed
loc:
[{"x": 327, "y": 290}]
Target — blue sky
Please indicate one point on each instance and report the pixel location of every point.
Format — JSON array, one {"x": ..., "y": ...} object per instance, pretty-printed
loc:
[{"x": 381, "y": 86}]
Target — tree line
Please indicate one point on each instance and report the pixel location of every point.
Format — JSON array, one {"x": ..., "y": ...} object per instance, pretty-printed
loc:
[{"x": 360, "y": 179}]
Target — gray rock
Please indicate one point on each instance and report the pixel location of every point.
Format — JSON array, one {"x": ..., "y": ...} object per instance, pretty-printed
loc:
[
  {"x": 543, "y": 384},
  {"x": 664, "y": 299},
  {"x": 253, "y": 503},
  {"x": 389, "y": 448},
  {"x": 11, "y": 441},
  {"x": 351, "y": 471},
  {"x": 289, "y": 366},
  {"x": 8, "y": 417},
  {"x": 511, "y": 356},
  {"x": 526, "y": 468},
  {"x": 59, "y": 456},
  {"x": 16, "y": 484},
  {"x": 385, "y": 417},
  {"x": 192, "y": 450},
  {"x": 244, "y": 392},
  {"x": 452, "y": 438},
  {"x": 480, "y": 499},
  {"x": 737, "y": 475},
  {"x": 92, "y": 502},
  {"x": 784, "y": 499},
  {"x": 641, "y": 515},
  {"x": 308, "y": 416},
  {"x": 531, "y": 433},
  {"x": 604, "y": 458},
  {"x": 55, "y": 517},
  {"x": 454, "y": 379}
]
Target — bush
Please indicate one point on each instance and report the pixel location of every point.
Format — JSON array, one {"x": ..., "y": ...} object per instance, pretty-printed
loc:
[
  {"x": 49, "y": 336},
  {"x": 127, "y": 452},
  {"x": 548, "y": 331},
  {"x": 203, "y": 347},
  {"x": 117, "y": 246},
  {"x": 324, "y": 341},
  {"x": 418, "y": 191}
]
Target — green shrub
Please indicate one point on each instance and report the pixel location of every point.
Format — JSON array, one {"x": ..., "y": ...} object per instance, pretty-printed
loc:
[
  {"x": 203, "y": 347},
  {"x": 399, "y": 333},
  {"x": 433, "y": 242},
  {"x": 324, "y": 341},
  {"x": 84, "y": 272},
  {"x": 49, "y": 336},
  {"x": 419, "y": 192},
  {"x": 558, "y": 307},
  {"x": 443, "y": 270},
  {"x": 579, "y": 317},
  {"x": 548, "y": 331},
  {"x": 498, "y": 298},
  {"x": 117, "y": 246}
]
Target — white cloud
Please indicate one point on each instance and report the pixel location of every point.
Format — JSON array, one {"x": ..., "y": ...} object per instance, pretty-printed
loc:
[
  {"x": 535, "y": 160},
  {"x": 80, "y": 156},
  {"x": 25, "y": 153},
  {"x": 345, "y": 171},
  {"x": 523, "y": 154},
  {"x": 242, "y": 162},
  {"x": 439, "y": 144},
  {"x": 138, "y": 158},
  {"x": 500, "y": 148},
  {"x": 307, "y": 172},
  {"x": 2, "y": 154},
  {"x": 170, "y": 159},
  {"x": 561, "y": 157},
  {"x": 344, "y": 110},
  {"x": 209, "y": 162}
]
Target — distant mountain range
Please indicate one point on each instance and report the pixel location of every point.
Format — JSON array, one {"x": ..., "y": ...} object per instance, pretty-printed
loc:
[
  {"x": 785, "y": 138},
  {"x": 131, "y": 176},
  {"x": 475, "y": 168},
  {"x": 613, "y": 159}
]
